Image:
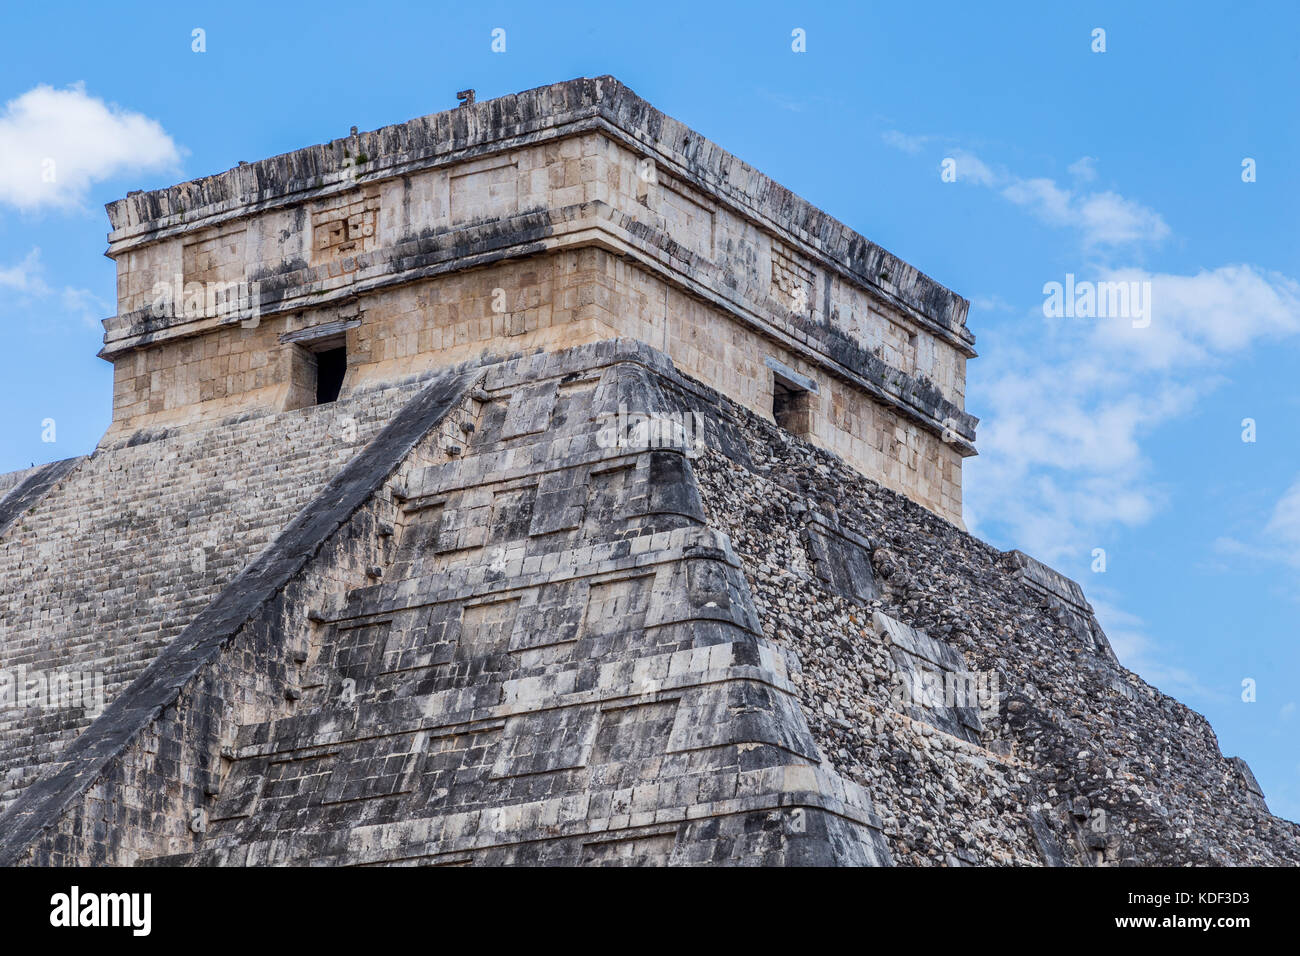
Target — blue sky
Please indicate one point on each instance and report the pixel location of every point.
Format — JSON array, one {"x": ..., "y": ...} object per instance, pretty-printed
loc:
[{"x": 1123, "y": 164}]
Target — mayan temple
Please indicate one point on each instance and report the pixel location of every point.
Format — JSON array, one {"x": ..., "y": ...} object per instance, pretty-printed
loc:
[{"x": 535, "y": 482}]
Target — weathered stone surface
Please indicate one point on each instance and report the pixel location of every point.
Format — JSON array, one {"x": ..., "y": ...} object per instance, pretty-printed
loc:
[
  {"x": 558, "y": 216},
  {"x": 1068, "y": 730},
  {"x": 532, "y": 591},
  {"x": 160, "y": 737},
  {"x": 642, "y": 684},
  {"x": 24, "y": 493},
  {"x": 434, "y": 714},
  {"x": 1255, "y": 796},
  {"x": 110, "y": 563}
]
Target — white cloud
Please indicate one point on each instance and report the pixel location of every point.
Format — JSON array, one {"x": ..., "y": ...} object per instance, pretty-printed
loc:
[
  {"x": 26, "y": 276},
  {"x": 1061, "y": 459},
  {"x": 1199, "y": 318},
  {"x": 1067, "y": 403},
  {"x": 26, "y": 281},
  {"x": 54, "y": 144},
  {"x": 1274, "y": 539},
  {"x": 1043, "y": 198},
  {"x": 971, "y": 169},
  {"x": 1284, "y": 525},
  {"x": 904, "y": 141},
  {"x": 1110, "y": 219},
  {"x": 87, "y": 306},
  {"x": 1103, "y": 219},
  {"x": 1083, "y": 169},
  {"x": 990, "y": 303}
]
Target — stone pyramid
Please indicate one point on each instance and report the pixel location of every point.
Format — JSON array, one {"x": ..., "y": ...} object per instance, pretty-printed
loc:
[{"x": 659, "y": 562}]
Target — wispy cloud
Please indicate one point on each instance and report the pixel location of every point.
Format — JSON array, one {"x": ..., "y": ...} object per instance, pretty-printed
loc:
[
  {"x": 971, "y": 169},
  {"x": 1276, "y": 540},
  {"x": 1084, "y": 169},
  {"x": 1065, "y": 416},
  {"x": 906, "y": 142},
  {"x": 25, "y": 284},
  {"x": 25, "y": 277},
  {"x": 1101, "y": 218},
  {"x": 1142, "y": 654},
  {"x": 991, "y": 303},
  {"x": 1284, "y": 525},
  {"x": 1067, "y": 405},
  {"x": 85, "y": 305},
  {"x": 54, "y": 144},
  {"x": 1200, "y": 319}
]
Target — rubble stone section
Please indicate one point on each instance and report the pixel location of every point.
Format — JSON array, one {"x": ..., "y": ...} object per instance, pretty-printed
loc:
[
  {"x": 1065, "y": 598},
  {"x": 552, "y": 218},
  {"x": 932, "y": 683},
  {"x": 1070, "y": 759}
]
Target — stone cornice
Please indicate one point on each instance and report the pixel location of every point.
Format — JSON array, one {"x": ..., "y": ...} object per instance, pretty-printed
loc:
[
  {"x": 590, "y": 224},
  {"x": 509, "y": 122}
]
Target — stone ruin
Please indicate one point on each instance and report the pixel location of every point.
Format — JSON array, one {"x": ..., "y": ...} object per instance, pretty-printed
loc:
[{"x": 537, "y": 483}]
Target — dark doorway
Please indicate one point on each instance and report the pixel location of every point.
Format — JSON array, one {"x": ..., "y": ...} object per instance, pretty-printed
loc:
[
  {"x": 330, "y": 368},
  {"x": 791, "y": 408}
]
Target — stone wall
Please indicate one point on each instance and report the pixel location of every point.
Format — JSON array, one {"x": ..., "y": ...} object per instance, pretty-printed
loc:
[
  {"x": 522, "y": 646},
  {"x": 138, "y": 780},
  {"x": 522, "y": 627},
  {"x": 552, "y": 301},
  {"x": 534, "y": 229}
]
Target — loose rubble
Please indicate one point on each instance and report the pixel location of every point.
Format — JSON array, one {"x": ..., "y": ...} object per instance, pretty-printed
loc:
[{"x": 1081, "y": 758}]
